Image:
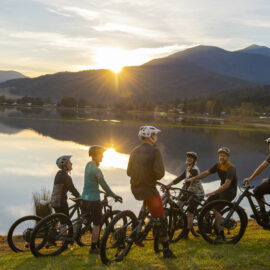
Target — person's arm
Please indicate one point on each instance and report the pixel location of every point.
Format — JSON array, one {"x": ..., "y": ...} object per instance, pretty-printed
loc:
[
  {"x": 199, "y": 176},
  {"x": 158, "y": 166},
  {"x": 258, "y": 171},
  {"x": 100, "y": 178},
  {"x": 221, "y": 188},
  {"x": 71, "y": 188},
  {"x": 178, "y": 179},
  {"x": 129, "y": 168}
]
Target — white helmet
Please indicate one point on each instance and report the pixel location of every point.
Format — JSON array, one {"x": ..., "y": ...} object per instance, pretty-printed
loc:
[
  {"x": 267, "y": 141},
  {"x": 147, "y": 131}
]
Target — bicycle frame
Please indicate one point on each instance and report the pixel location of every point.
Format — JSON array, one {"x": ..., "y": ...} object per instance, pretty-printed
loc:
[{"x": 246, "y": 193}]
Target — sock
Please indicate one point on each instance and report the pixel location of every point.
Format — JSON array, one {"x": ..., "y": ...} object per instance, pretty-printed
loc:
[{"x": 165, "y": 245}]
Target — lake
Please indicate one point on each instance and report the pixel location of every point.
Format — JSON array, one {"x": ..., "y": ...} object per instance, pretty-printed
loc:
[{"x": 30, "y": 147}]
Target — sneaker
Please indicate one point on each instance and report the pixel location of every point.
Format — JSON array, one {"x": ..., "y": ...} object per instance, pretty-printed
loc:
[
  {"x": 139, "y": 244},
  {"x": 94, "y": 251},
  {"x": 168, "y": 254},
  {"x": 220, "y": 239}
]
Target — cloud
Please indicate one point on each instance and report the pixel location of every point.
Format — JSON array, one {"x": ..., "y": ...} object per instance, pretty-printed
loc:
[
  {"x": 58, "y": 12},
  {"x": 55, "y": 39}
]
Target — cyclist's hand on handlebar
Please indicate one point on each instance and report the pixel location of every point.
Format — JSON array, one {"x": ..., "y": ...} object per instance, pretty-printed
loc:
[
  {"x": 118, "y": 199},
  {"x": 246, "y": 181},
  {"x": 265, "y": 180},
  {"x": 188, "y": 180}
]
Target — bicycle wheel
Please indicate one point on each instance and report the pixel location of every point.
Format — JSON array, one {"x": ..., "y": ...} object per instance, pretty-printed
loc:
[
  {"x": 85, "y": 234},
  {"x": 20, "y": 232},
  {"x": 214, "y": 218},
  {"x": 116, "y": 241},
  {"x": 56, "y": 231}
]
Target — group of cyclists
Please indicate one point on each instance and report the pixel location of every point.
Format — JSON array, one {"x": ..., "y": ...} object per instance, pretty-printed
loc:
[{"x": 145, "y": 167}]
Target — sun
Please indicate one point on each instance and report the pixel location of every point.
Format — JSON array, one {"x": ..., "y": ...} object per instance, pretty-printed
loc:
[{"x": 112, "y": 58}]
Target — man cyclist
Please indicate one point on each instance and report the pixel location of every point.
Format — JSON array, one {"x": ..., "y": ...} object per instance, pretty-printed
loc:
[
  {"x": 145, "y": 167},
  {"x": 264, "y": 187},
  {"x": 62, "y": 184},
  {"x": 91, "y": 203},
  {"x": 228, "y": 188}
]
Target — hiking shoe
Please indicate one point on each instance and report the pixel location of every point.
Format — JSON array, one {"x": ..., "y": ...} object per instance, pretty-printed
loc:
[
  {"x": 139, "y": 244},
  {"x": 220, "y": 239},
  {"x": 93, "y": 251},
  {"x": 168, "y": 254}
]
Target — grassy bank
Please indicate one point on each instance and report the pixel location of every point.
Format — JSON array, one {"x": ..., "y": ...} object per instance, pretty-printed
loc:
[
  {"x": 252, "y": 252},
  {"x": 253, "y": 127}
]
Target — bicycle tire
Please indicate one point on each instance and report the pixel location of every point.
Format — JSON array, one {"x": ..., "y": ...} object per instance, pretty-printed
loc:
[{"x": 11, "y": 241}]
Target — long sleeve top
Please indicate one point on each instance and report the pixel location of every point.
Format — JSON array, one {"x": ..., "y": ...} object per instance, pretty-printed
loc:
[
  {"x": 93, "y": 177},
  {"x": 145, "y": 167}
]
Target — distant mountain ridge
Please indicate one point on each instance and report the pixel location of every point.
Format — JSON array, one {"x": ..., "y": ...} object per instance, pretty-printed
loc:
[
  {"x": 201, "y": 70},
  {"x": 9, "y": 75},
  {"x": 256, "y": 49}
]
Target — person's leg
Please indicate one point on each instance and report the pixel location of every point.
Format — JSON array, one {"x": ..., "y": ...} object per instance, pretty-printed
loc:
[
  {"x": 96, "y": 213},
  {"x": 259, "y": 193},
  {"x": 155, "y": 207}
]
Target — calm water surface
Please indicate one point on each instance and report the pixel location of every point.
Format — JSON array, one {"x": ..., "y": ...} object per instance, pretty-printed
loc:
[{"x": 29, "y": 149}]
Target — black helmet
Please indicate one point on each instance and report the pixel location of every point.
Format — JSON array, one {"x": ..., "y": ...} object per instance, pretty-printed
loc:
[
  {"x": 267, "y": 141},
  {"x": 96, "y": 149},
  {"x": 192, "y": 154},
  {"x": 224, "y": 150}
]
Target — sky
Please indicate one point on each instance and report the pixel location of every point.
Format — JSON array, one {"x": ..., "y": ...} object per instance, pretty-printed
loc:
[{"x": 40, "y": 36}]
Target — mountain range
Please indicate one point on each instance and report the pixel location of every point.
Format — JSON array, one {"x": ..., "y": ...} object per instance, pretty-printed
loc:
[
  {"x": 9, "y": 75},
  {"x": 198, "y": 71}
]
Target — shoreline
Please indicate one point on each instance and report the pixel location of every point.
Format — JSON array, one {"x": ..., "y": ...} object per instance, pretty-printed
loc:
[{"x": 251, "y": 127}]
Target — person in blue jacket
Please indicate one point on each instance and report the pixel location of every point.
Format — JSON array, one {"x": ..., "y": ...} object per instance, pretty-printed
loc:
[{"x": 91, "y": 203}]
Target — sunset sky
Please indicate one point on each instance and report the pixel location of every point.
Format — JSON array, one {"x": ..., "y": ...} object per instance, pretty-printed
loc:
[{"x": 41, "y": 36}]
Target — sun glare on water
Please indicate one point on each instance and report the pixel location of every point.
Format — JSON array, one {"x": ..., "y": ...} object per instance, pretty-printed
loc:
[{"x": 113, "y": 159}]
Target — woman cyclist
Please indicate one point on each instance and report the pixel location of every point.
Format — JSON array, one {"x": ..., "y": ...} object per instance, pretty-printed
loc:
[
  {"x": 91, "y": 203},
  {"x": 196, "y": 187},
  {"x": 62, "y": 184}
]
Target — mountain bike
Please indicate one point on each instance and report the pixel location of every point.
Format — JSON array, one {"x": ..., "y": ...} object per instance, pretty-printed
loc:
[
  {"x": 229, "y": 218},
  {"x": 126, "y": 229},
  {"x": 52, "y": 235}
]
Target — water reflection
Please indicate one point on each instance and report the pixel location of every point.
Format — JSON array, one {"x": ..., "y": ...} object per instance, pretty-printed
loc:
[{"x": 29, "y": 149}]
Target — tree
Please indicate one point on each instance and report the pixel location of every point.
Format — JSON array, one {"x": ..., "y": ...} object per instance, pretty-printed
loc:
[{"x": 70, "y": 102}]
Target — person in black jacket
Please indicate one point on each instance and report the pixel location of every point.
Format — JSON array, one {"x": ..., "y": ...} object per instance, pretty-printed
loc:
[
  {"x": 145, "y": 167},
  {"x": 62, "y": 184}
]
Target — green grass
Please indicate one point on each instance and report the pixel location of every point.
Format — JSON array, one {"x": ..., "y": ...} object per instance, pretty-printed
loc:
[
  {"x": 252, "y": 252},
  {"x": 235, "y": 126}
]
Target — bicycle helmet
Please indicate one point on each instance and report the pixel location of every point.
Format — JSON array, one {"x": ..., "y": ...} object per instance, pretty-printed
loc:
[
  {"x": 96, "y": 149},
  {"x": 267, "y": 141},
  {"x": 147, "y": 131},
  {"x": 62, "y": 161},
  {"x": 192, "y": 154},
  {"x": 224, "y": 150}
]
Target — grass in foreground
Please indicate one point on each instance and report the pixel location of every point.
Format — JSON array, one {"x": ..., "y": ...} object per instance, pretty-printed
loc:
[{"x": 252, "y": 252}]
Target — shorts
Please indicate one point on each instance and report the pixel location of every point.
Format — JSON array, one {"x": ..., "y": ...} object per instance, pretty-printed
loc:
[
  {"x": 226, "y": 195},
  {"x": 155, "y": 206},
  {"x": 62, "y": 209},
  {"x": 94, "y": 209},
  {"x": 262, "y": 189}
]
